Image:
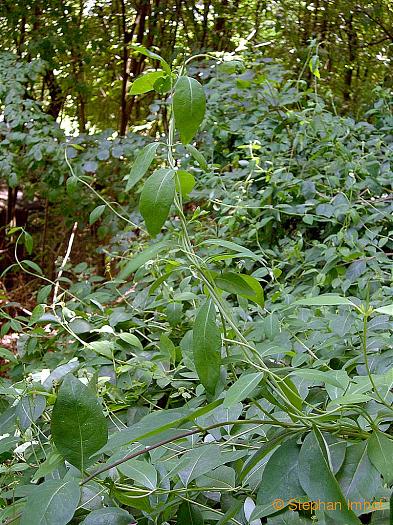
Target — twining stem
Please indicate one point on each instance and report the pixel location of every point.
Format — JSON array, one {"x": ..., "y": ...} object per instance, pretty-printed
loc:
[{"x": 348, "y": 431}]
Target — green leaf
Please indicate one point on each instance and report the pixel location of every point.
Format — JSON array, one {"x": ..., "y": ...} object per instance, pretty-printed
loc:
[
  {"x": 207, "y": 346},
  {"x": 152, "y": 425},
  {"x": 280, "y": 476},
  {"x": 32, "y": 265},
  {"x": 189, "y": 514},
  {"x": 156, "y": 199},
  {"x": 131, "y": 339},
  {"x": 96, "y": 213},
  {"x": 142, "y": 472},
  {"x": 197, "y": 155},
  {"x": 43, "y": 294},
  {"x": 388, "y": 310},
  {"x": 104, "y": 348},
  {"x": 52, "y": 461},
  {"x": 189, "y": 104},
  {"x": 380, "y": 452},
  {"x": 318, "y": 376},
  {"x": 142, "y": 258},
  {"x": 243, "y": 252},
  {"x": 243, "y": 285},
  {"x": 141, "y": 164},
  {"x": 358, "y": 478},
  {"x": 242, "y": 388},
  {"x": 52, "y": 503},
  {"x": 264, "y": 449},
  {"x": 291, "y": 392},
  {"x": 78, "y": 426},
  {"x": 108, "y": 516},
  {"x": 145, "y": 83},
  {"x": 199, "y": 461},
  {"x": 143, "y": 51},
  {"x": 349, "y": 399},
  {"x": 185, "y": 182},
  {"x": 324, "y": 300},
  {"x": 318, "y": 481},
  {"x": 28, "y": 240},
  {"x": 7, "y": 354}
]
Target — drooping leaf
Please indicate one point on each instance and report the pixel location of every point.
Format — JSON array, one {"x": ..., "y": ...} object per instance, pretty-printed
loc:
[
  {"x": 241, "y": 284},
  {"x": 29, "y": 409},
  {"x": 380, "y": 452},
  {"x": 185, "y": 182},
  {"x": 189, "y": 514},
  {"x": 189, "y": 104},
  {"x": 317, "y": 479},
  {"x": 242, "y": 388},
  {"x": 96, "y": 213},
  {"x": 271, "y": 326},
  {"x": 28, "y": 242},
  {"x": 207, "y": 346},
  {"x": 52, "y": 503},
  {"x": 358, "y": 478},
  {"x": 79, "y": 427},
  {"x": 263, "y": 451},
  {"x": 141, "y": 164},
  {"x": 197, "y": 155},
  {"x": 142, "y": 258},
  {"x": 145, "y": 83},
  {"x": 143, "y": 51},
  {"x": 280, "y": 476},
  {"x": 156, "y": 199}
]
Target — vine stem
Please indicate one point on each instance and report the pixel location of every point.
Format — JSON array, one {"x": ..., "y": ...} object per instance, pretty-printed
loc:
[
  {"x": 184, "y": 435},
  {"x": 203, "y": 275}
]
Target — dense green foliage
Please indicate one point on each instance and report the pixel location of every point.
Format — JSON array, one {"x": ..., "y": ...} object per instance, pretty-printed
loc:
[{"x": 232, "y": 362}]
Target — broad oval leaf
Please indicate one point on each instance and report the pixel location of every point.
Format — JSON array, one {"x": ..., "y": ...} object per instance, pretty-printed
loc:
[
  {"x": 242, "y": 388},
  {"x": 241, "y": 284},
  {"x": 185, "y": 182},
  {"x": 108, "y": 516},
  {"x": 131, "y": 339},
  {"x": 358, "y": 478},
  {"x": 380, "y": 452},
  {"x": 189, "y": 104},
  {"x": 141, "y": 164},
  {"x": 145, "y": 83},
  {"x": 52, "y": 503},
  {"x": 280, "y": 476},
  {"x": 96, "y": 213},
  {"x": 156, "y": 199},
  {"x": 142, "y": 472},
  {"x": 318, "y": 481},
  {"x": 207, "y": 346},
  {"x": 79, "y": 427}
]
